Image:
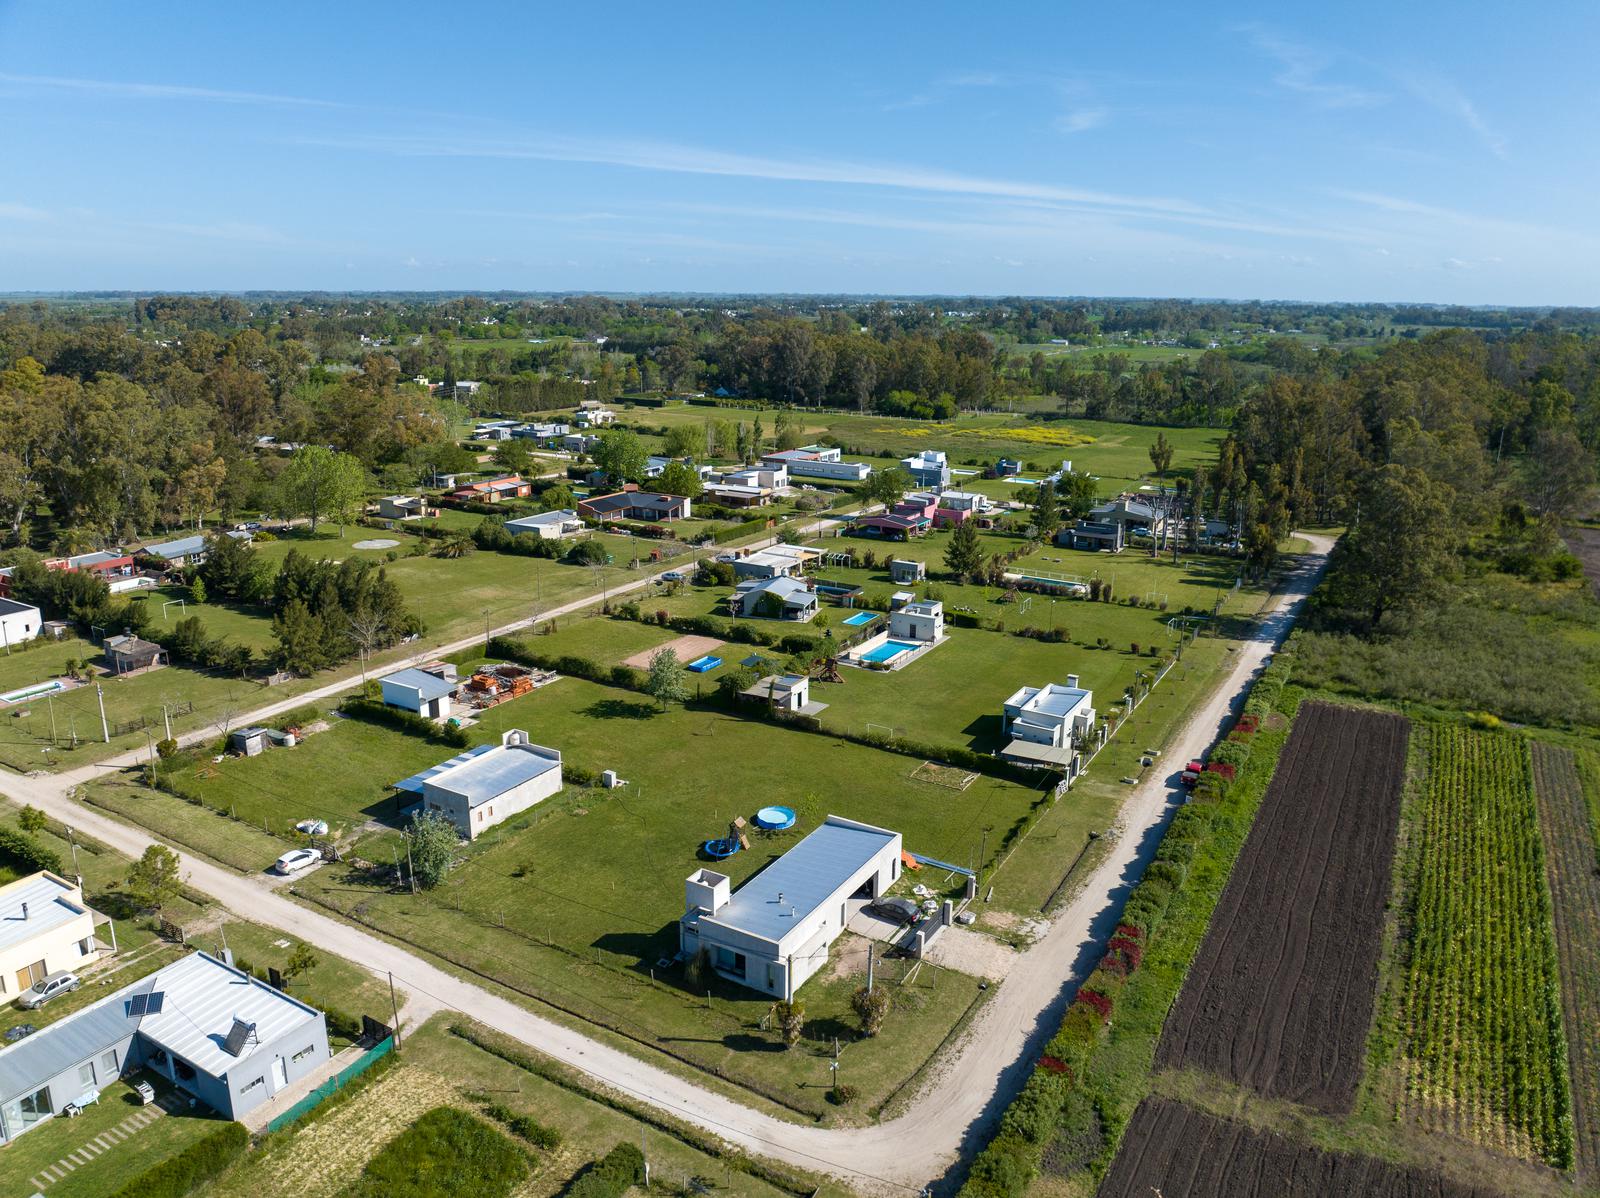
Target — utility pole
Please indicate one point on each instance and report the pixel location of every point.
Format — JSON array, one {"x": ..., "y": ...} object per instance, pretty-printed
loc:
[
  {"x": 105, "y": 729},
  {"x": 76, "y": 872},
  {"x": 150, "y": 769},
  {"x": 982, "y": 853},
  {"x": 411, "y": 869},
  {"x": 50, "y": 701},
  {"x": 394, "y": 1005},
  {"x": 870, "y": 956},
  {"x": 166, "y": 719}
]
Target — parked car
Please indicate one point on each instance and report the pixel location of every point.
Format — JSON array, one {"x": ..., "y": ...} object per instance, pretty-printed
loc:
[
  {"x": 295, "y": 860},
  {"x": 248, "y": 526},
  {"x": 674, "y": 576},
  {"x": 900, "y": 910},
  {"x": 46, "y": 988}
]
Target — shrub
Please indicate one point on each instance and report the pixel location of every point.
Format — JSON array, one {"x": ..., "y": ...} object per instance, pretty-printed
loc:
[
  {"x": 374, "y": 712},
  {"x": 842, "y": 1095},
  {"x": 199, "y": 1163},
  {"x": 1230, "y": 752},
  {"x": 27, "y": 852},
  {"x": 1097, "y": 1002},
  {"x": 1170, "y": 874},
  {"x": 609, "y": 1177},
  {"x": 1223, "y": 769},
  {"x": 872, "y": 1007},
  {"x": 529, "y": 1128},
  {"x": 443, "y": 1153}
]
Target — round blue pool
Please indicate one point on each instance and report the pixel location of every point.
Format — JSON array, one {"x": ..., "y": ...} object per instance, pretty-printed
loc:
[{"x": 775, "y": 818}]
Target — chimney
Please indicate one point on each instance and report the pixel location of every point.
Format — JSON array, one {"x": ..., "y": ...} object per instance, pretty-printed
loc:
[
  {"x": 1072, "y": 681},
  {"x": 24, "y": 910}
]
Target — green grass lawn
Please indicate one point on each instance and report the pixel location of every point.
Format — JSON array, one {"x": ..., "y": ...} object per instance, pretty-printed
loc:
[
  {"x": 111, "y": 1170},
  {"x": 240, "y": 844},
  {"x": 600, "y": 638}
]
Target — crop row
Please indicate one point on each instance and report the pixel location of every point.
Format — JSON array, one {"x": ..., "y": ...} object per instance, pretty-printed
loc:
[{"x": 1483, "y": 1051}]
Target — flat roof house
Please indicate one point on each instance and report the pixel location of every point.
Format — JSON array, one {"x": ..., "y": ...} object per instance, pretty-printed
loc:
[
  {"x": 488, "y": 785},
  {"x": 127, "y": 654},
  {"x": 920, "y": 621},
  {"x": 817, "y": 461},
  {"x": 777, "y": 598},
  {"x": 930, "y": 468},
  {"x": 907, "y": 570},
  {"x": 635, "y": 505},
  {"x": 775, "y": 931},
  {"x": 774, "y": 478},
  {"x": 401, "y": 507},
  {"x": 493, "y": 490},
  {"x": 1047, "y": 723},
  {"x": 18, "y": 622},
  {"x": 785, "y": 692},
  {"x": 45, "y": 927},
  {"x": 218, "y": 1034},
  {"x": 738, "y": 494},
  {"x": 550, "y": 526},
  {"x": 776, "y": 561},
  {"x": 421, "y": 692}
]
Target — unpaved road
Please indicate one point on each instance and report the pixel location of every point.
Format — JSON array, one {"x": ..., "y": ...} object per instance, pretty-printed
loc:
[{"x": 968, "y": 1087}]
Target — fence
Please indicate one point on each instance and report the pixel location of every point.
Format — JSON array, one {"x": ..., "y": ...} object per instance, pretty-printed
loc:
[{"x": 334, "y": 1084}]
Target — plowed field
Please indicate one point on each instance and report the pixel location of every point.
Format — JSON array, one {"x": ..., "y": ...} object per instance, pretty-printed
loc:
[
  {"x": 1175, "y": 1151},
  {"x": 1280, "y": 997}
]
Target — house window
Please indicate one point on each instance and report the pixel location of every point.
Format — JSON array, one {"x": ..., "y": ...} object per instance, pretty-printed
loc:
[
  {"x": 36, "y": 1106},
  {"x": 304, "y": 1052},
  {"x": 109, "y": 1063},
  {"x": 252, "y": 1085},
  {"x": 86, "y": 1074},
  {"x": 86, "y": 946}
]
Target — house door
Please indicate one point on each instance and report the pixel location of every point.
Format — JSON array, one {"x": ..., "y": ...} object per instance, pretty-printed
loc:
[
  {"x": 280, "y": 1074},
  {"x": 31, "y": 975}
]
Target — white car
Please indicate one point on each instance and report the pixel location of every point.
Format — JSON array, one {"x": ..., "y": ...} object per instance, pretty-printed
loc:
[
  {"x": 295, "y": 860},
  {"x": 674, "y": 576}
]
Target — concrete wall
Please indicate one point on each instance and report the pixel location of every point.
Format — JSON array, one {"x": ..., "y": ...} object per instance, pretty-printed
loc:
[
  {"x": 242, "y": 1095},
  {"x": 473, "y": 822}
]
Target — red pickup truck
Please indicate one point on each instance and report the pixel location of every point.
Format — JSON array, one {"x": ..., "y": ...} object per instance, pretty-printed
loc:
[{"x": 1191, "y": 773}]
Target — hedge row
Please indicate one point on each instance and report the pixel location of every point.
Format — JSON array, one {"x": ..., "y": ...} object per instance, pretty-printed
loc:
[
  {"x": 526, "y": 1126},
  {"x": 569, "y": 664},
  {"x": 735, "y": 531},
  {"x": 28, "y": 852},
  {"x": 1054, "y": 1103},
  {"x": 373, "y": 711},
  {"x": 612, "y": 1176},
  {"x": 199, "y": 1163}
]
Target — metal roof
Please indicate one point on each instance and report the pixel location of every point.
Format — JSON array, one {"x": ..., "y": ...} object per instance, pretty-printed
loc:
[
  {"x": 1053, "y": 699},
  {"x": 202, "y": 998},
  {"x": 563, "y": 516},
  {"x": 805, "y": 877},
  {"x": 184, "y": 546},
  {"x": 784, "y": 588},
  {"x": 51, "y": 904},
  {"x": 428, "y": 686},
  {"x": 489, "y": 775},
  {"x": 11, "y": 607},
  {"x": 414, "y": 783}
]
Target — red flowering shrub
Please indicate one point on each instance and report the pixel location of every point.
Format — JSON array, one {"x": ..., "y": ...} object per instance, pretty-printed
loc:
[
  {"x": 1222, "y": 769},
  {"x": 1129, "y": 932},
  {"x": 1099, "y": 1003},
  {"x": 1131, "y": 952},
  {"x": 1248, "y": 724},
  {"x": 1114, "y": 963},
  {"x": 1053, "y": 1064}
]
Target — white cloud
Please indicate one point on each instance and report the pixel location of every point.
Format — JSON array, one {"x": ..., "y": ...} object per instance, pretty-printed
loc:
[
  {"x": 1445, "y": 97},
  {"x": 160, "y": 91},
  {"x": 1080, "y": 120},
  {"x": 1301, "y": 69}
]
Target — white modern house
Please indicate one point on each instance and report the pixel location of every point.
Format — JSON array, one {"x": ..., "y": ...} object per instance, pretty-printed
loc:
[
  {"x": 930, "y": 468},
  {"x": 785, "y": 692},
  {"x": 422, "y": 692},
  {"x": 1047, "y": 723},
  {"x": 488, "y": 785},
  {"x": 919, "y": 621},
  {"x": 775, "y": 931},
  {"x": 774, "y": 478},
  {"x": 595, "y": 417},
  {"x": 777, "y": 561},
  {"x": 776, "y": 598},
  {"x": 550, "y": 526},
  {"x": 45, "y": 927},
  {"x": 18, "y": 622},
  {"x": 817, "y": 461},
  {"x": 219, "y": 1035}
]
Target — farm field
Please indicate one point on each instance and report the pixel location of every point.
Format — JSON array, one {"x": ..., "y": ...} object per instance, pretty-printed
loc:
[
  {"x": 1482, "y": 1054},
  {"x": 1175, "y": 1151},
  {"x": 1280, "y": 997},
  {"x": 1575, "y": 889}
]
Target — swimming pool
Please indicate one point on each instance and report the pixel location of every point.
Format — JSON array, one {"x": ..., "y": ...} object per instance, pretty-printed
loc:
[
  {"x": 890, "y": 649},
  {"x": 861, "y": 617},
  {"x": 37, "y": 691}
]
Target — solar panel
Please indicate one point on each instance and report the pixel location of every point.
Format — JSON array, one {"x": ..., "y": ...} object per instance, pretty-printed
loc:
[
  {"x": 239, "y": 1035},
  {"x": 137, "y": 1005},
  {"x": 156, "y": 1001}
]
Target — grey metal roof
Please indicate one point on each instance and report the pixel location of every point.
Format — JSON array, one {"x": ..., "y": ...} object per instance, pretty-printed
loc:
[
  {"x": 50, "y": 905},
  {"x": 563, "y": 516},
  {"x": 489, "y": 775},
  {"x": 428, "y": 686},
  {"x": 28, "y": 1064},
  {"x": 806, "y": 876},
  {"x": 784, "y": 588},
  {"x": 184, "y": 546},
  {"x": 1057, "y": 700},
  {"x": 414, "y": 783},
  {"x": 10, "y": 607}
]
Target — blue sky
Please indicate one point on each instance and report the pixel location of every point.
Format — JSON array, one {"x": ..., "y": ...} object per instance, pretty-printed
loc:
[{"x": 1419, "y": 151}]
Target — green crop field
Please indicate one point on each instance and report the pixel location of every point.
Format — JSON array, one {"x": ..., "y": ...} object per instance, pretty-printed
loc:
[{"x": 1482, "y": 1052}]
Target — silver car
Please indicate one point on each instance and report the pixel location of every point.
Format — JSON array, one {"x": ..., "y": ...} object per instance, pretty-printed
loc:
[{"x": 46, "y": 988}]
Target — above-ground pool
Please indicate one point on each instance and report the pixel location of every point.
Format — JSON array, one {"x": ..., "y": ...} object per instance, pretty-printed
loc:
[
  {"x": 37, "y": 691},
  {"x": 890, "y": 649},
  {"x": 701, "y": 664},
  {"x": 862, "y": 617},
  {"x": 775, "y": 818}
]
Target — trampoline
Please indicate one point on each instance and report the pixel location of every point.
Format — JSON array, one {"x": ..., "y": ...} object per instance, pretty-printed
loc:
[
  {"x": 717, "y": 850},
  {"x": 701, "y": 664},
  {"x": 775, "y": 819},
  {"x": 862, "y": 617}
]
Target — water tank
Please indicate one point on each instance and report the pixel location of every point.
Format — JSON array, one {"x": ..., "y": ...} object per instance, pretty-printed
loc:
[{"x": 608, "y": 779}]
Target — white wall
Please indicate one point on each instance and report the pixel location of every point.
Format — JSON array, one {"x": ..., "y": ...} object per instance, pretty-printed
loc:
[{"x": 19, "y": 626}]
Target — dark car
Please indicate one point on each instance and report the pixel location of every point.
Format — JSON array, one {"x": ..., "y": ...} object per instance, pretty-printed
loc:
[{"x": 902, "y": 911}]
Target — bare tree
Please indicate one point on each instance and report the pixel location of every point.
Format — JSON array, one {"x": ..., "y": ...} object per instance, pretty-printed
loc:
[{"x": 368, "y": 630}]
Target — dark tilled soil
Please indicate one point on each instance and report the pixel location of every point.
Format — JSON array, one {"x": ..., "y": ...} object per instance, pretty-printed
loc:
[
  {"x": 1175, "y": 1151},
  {"x": 1585, "y": 546},
  {"x": 1575, "y": 892},
  {"x": 1280, "y": 997}
]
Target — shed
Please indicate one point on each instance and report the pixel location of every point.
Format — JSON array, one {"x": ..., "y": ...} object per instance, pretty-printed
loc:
[
  {"x": 247, "y": 742},
  {"x": 127, "y": 654},
  {"x": 905, "y": 570}
]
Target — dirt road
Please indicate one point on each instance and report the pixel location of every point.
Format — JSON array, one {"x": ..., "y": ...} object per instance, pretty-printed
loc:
[{"x": 968, "y": 1087}]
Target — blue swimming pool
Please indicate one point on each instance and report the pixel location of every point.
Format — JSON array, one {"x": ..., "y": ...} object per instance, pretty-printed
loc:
[
  {"x": 889, "y": 649},
  {"x": 862, "y": 617}
]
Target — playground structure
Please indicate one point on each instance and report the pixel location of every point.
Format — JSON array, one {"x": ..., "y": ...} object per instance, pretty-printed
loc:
[{"x": 724, "y": 847}]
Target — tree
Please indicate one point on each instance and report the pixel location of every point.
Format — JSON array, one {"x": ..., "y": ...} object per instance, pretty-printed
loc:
[
  {"x": 433, "y": 847},
  {"x": 1396, "y": 555},
  {"x": 197, "y": 589},
  {"x": 683, "y": 440},
  {"x": 887, "y": 486},
  {"x": 791, "y": 1016},
  {"x": 678, "y": 479},
  {"x": 1161, "y": 455},
  {"x": 872, "y": 1008},
  {"x": 1077, "y": 494},
  {"x": 302, "y": 959},
  {"x": 512, "y": 456},
  {"x": 231, "y": 570},
  {"x": 32, "y": 821},
  {"x": 556, "y": 498},
  {"x": 964, "y": 555},
  {"x": 621, "y": 455},
  {"x": 1558, "y": 476},
  {"x": 667, "y": 681},
  {"x": 1046, "y": 511},
  {"x": 153, "y": 878},
  {"x": 319, "y": 483}
]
